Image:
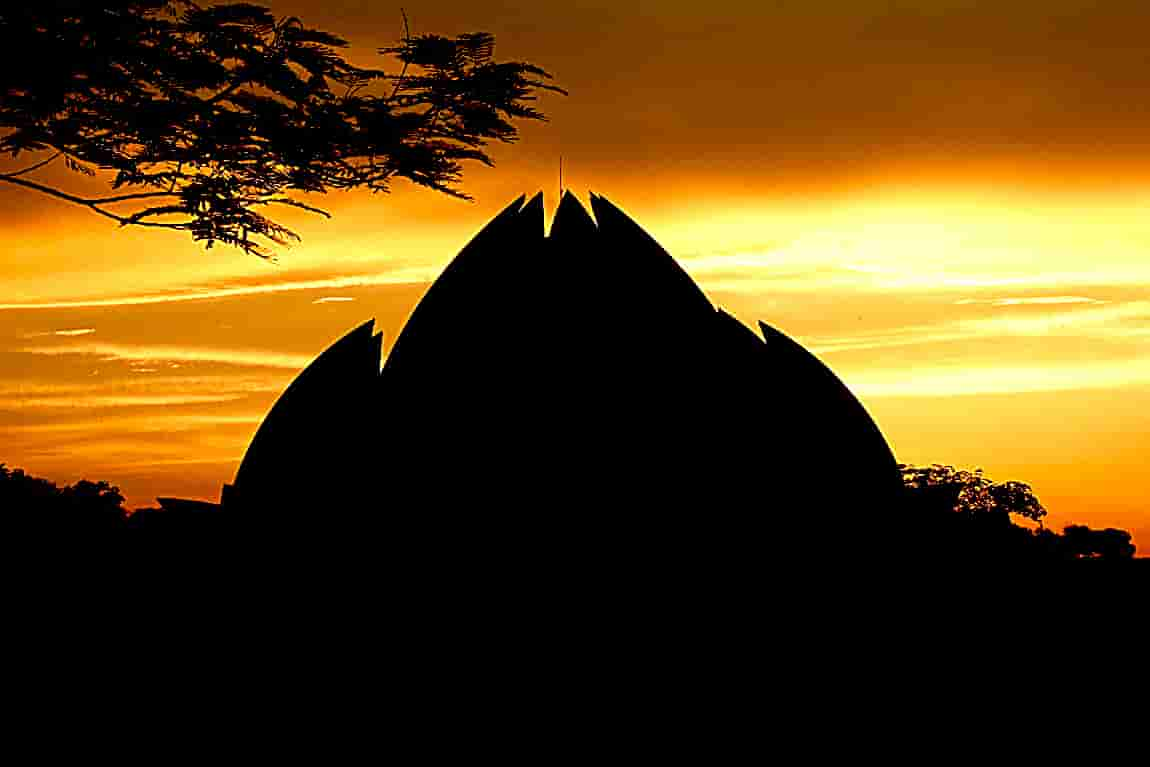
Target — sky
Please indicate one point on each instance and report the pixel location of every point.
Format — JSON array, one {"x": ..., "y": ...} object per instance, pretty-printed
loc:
[{"x": 948, "y": 204}]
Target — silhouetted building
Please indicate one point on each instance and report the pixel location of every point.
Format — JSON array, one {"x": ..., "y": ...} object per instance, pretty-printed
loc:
[
  {"x": 576, "y": 387},
  {"x": 183, "y": 506},
  {"x": 313, "y": 448},
  {"x": 179, "y": 516}
]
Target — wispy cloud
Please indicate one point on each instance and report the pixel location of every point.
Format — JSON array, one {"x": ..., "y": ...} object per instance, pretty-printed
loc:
[
  {"x": 900, "y": 280},
  {"x": 65, "y": 333},
  {"x": 1103, "y": 319},
  {"x": 905, "y": 336},
  {"x": 1028, "y": 300},
  {"x": 154, "y": 422},
  {"x": 217, "y": 384},
  {"x": 155, "y": 354},
  {"x": 396, "y": 277},
  {"x": 333, "y": 300},
  {"x": 952, "y": 381},
  {"x": 126, "y": 400},
  {"x": 1095, "y": 318}
]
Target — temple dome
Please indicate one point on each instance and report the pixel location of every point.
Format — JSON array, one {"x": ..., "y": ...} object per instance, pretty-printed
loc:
[
  {"x": 315, "y": 431},
  {"x": 577, "y": 377}
]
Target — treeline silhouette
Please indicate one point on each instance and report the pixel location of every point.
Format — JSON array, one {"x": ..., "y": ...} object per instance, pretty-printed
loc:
[
  {"x": 38, "y": 505},
  {"x": 965, "y": 515},
  {"x": 959, "y": 514}
]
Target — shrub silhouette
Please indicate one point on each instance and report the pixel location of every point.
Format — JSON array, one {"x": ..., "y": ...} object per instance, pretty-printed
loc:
[
  {"x": 32, "y": 504},
  {"x": 964, "y": 515},
  {"x": 952, "y": 519},
  {"x": 1081, "y": 542}
]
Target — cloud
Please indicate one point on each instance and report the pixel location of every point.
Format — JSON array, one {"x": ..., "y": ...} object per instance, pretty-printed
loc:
[
  {"x": 1097, "y": 319},
  {"x": 1102, "y": 319},
  {"x": 906, "y": 336},
  {"x": 333, "y": 300},
  {"x": 217, "y": 384},
  {"x": 126, "y": 400},
  {"x": 155, "y": 422},
  {"x": 1036, "y": 300},
  {"x": 951, "y": 381},
  {"x": 155, "y": 354},
  {"x": 397, "y": 277},
  {"x": 65, "y": 333}
]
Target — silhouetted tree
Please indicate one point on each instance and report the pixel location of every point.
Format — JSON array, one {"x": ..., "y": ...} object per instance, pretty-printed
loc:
[
  {"x": 1082, "y": 542},
  {"x": 944, "y": 488},
  {"x": 19, "y": 491},
  {"x": 34, "y": 504},
  {"x": 966, "y": 530},
  {"x": 208, "y": 115},
  {"x": 965, "y": 515}
]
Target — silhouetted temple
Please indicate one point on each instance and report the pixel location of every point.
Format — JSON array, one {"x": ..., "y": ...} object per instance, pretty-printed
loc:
[
  {"x": 577, "y": 386},
  {"x": 321, "y": 428}
]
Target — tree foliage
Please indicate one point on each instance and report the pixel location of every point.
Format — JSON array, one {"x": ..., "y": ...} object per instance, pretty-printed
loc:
[
  {"x": 34, "y": 504},
  {"x": 969, "y": 532},
  {"x": 1082, "y": 542},
  {"x": 964, "y": 515},
  {"x": 208, "y": 115},
  {"x": 971, "y": 493}
]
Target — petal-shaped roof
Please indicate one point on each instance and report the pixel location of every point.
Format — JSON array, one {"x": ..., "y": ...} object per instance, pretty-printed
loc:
[
  {"x": 836, "y": 408},
  {"x": 582, "y": 370},
  {"x": 314, "y": 432},
  {"x": 515, "y": 297},
  {"x": 473, "y": 290},
  {"x": 833, "y": 430}
]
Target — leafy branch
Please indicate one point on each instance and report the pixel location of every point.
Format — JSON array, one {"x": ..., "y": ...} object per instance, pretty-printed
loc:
[{"x": 210, "y": 114}]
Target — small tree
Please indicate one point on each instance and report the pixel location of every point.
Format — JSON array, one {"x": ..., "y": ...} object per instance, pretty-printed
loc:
[
  {"x": 969, "y": 492},
  {"x": 34, "y": 505},
  {"x": 1082, "y": 542},
  {"x": 208, "y": 115}
]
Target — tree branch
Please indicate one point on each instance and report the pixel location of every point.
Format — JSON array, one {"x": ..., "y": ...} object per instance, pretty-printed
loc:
[
  {"x": 294, "y": 204},
  {"x": 125, "y": 197},
  {"x": 209, "y": 116},
  {"x": 58, "y": 194},
  {"x": 31, "y": 168},
  {"x": 94, "y": 204},
  {"x": 176, "y": 175},
  {"x": 402, "y": 72}
]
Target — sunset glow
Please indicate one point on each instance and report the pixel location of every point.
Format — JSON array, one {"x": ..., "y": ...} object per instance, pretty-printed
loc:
[{"x": 982, "y": 286}]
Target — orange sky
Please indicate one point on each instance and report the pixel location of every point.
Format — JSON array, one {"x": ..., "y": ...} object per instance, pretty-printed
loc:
[{"x": 948, "y": 205}]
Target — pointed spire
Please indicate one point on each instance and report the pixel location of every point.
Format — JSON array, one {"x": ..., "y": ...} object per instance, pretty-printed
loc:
[
  {"x": 572, "y": 222},
  {"x": 515, "y": 207},
  {"x": 646, "y": 258},
  {"x": 809, "y": 375},
  {"x": 497, "y": 226},
  {"x": 357, "y": 336},
  {"x": 531, "y": 218},
  {"x": 737, "y": 332},
  {"x": 323, "y": 405},
  {"x": 473, "y": 278},
  {"x": 377, "y": 350}
]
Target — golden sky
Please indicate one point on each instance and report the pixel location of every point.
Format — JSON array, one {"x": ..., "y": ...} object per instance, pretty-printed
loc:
[{"x": 949, "y": 204}]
